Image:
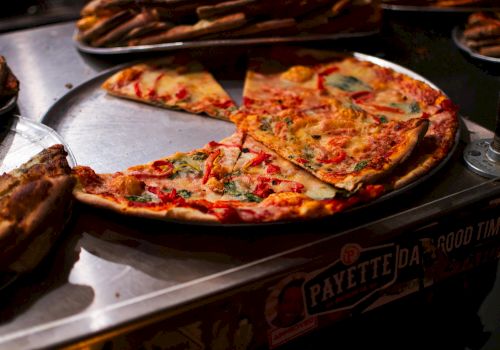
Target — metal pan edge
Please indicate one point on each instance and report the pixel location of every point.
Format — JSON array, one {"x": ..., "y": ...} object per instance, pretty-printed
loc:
[{"x": 215, "y": 43}]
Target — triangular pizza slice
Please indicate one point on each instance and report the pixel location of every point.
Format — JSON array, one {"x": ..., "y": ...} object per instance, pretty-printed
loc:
[
  {"x": 177, "y": 82},
  {"x": 181, "y": 186}
]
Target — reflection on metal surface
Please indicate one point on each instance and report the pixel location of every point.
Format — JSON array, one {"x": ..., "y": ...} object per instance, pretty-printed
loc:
[{"x": 458, "y": 39}]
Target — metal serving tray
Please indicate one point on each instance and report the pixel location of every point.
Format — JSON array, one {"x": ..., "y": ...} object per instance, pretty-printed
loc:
[
  {"x": 458, "y": 39},
  {"x": 217, "y": 43},
  {"x": 110, "y": 134}
]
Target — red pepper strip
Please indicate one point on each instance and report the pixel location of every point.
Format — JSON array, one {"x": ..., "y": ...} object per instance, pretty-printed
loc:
[
  {"x": 361, "y": 96},
  {"x": 213, "y": 144},
  {"x": 260, "y": 158},
  {"x": 166, "y": 197},
  {"x": 321, "y": 83},
  {"x": 225, "y": 213},
  {"x": 302, "y": 160},
  {"x": 447, "y": 105},
  {"x": 152, "y": 92},
  {"x": 209, "y": 164},
  {"x": 337, "y": 158},
  {"x": 322, "y": 75},
  {"x": 388, "y": 109},
  {"x": 278, "y": 127},
  {"x": 223, "y": 104},
  {"x": 157, "y": 165},
  {"x": 371, "y": 191},
  {"x": 298, "y": 187},
  {"x": 263, "y": 190},
  {"x": 329, "y": 71},
  {"x": 425, "y": 115},
  {"x": 248, "y": 101},
  {"x": 137, "y": 89},
  {"x": 181, "y": 94},
  {"x": 273, "y": 169}
]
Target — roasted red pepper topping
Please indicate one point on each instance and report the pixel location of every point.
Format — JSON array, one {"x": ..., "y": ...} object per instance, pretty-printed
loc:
[
  {"x": 321, "y": 77},
  {"x": 162, "y": 168},
  {"x": 361, "y": 96},
  {"x": 152, "y": 93},
  {"x": 388, "y": 109},
  {"x": 223, "y": 104},
  {"x": 336, "y": 158},
  {"x": 321, "y": 83},
  {"x": 260, "y": 158},
  {"x": 209, "y": 165},
  {"x": 302, "y": 160},
  {"x": 329, "y": 71},
  {"x": 273, "y": 169},
  {"x": 278, "y": 127},
  {"x": 448, "y": 106},
  {"x": 248, "y": 101},
  {"x": 137, "y": 89},
  {"x": 225, "y": 213},
  {"x": 166, "y": 197},
  {"x": 263, "y": 189},
  {"x": 159, "y": 164},
  {"x": 182, "y": 93},
  {"x": 425, "y": 115},
  {"x": 214, "y": 144}
]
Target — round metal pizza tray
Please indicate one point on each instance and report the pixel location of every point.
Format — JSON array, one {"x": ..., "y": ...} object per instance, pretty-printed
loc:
[
  {"x": 458, "y": 39},
  {"x": 215, "y": 43},
  {"x": 110, "y": 134},
  {"x": 21, "y": 139}
]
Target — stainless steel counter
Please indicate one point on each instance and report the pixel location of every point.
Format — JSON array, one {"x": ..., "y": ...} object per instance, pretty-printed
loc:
[{"x": 109, "y": 270}]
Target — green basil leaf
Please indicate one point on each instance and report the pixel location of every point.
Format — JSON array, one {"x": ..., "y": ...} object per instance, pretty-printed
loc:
[
  {"x": 361, "y": 165},
  {"x": 253, "y": 198}
]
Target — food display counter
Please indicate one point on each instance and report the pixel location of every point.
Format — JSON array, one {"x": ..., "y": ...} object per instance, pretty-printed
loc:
[{"x": 114, "y": 282}]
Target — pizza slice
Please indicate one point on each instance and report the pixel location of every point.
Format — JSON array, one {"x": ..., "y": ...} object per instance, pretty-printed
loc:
[
  {"x": 177, "y": 82},
  {"x": 305, "y": 80},
  {"x": 341, "y": 146},
  {"x": 35, "y": 204},
  {"x": 182, "y": 186},
  {"x": 392, "y": 96},
  {"x": 236, "y": 180},
  {"x": 265, "y": 187},
  {"x": 9, "y": 85}
]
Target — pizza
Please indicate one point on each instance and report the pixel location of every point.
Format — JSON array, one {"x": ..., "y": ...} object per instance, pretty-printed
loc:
[
  {"x": 177, "y": 82},
  {"x": 318, "y": 109},
  {"x": 35, "y": 204},
  {"x": 317, "y": 134},
  {"x": 236, "y": 180},
  {"x": 9, "y": 85}
]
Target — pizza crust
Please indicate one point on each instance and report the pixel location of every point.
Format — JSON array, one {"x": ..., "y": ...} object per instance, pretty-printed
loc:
[{"x": 172, "y": 214}]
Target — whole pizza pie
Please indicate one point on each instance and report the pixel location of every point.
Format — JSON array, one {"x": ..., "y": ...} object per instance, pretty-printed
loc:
[{"x": 317, "y": 133}]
